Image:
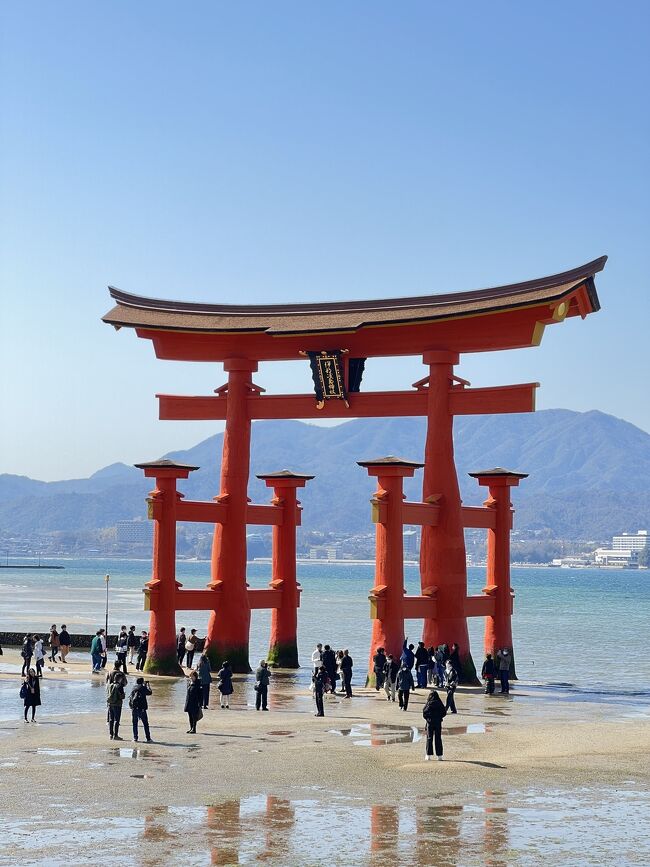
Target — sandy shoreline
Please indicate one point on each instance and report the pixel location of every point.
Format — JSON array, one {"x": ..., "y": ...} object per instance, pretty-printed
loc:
[{"x": 509, "y": 746}]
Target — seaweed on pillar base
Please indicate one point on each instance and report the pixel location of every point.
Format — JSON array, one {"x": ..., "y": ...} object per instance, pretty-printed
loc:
[
  {"x": 165, "y": 665},
  {"x": 237, "y": 656},
  {"x": 283, "y": 655}
]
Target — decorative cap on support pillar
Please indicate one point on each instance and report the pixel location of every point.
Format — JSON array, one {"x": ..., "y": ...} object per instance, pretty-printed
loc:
[
  {"x": 284, "y": 478},
  {"x": 498, "y": 475},
  {"x": 390, "y": 466},
  {"x": 165, "y": 468}
]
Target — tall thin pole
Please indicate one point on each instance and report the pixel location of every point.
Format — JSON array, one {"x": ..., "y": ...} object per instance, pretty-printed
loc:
[{"x": 106, "y": 579}]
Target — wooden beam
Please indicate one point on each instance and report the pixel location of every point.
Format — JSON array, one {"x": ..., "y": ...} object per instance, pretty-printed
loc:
[
  {"x": 270, "y": 516},
  {"x": 370, "y": 404},
  {"x": 497, "y": 399},
  {"x": 421, "y": 514},
  {"x": 196, "y": 600},
  {"x": 478, "y": 516},
  {"x": 201, "y": 513},
  {"x": 207, "y": 600},
  {"x": 479, "y": 606},
  {"x": 419, "y": 606},
  {"x": 265, "y": 598}
]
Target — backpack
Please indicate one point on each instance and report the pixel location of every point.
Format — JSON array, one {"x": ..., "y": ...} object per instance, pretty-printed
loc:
[
  {"x": 115, "y": 693},
  {"x": 135, "y": 701}
]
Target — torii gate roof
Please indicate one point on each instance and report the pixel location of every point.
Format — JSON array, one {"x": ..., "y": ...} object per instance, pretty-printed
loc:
[{"x": 501, "y": 317}]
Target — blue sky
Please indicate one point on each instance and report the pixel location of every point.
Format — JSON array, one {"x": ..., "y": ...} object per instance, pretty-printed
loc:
[{"x": 290, "y": 151}]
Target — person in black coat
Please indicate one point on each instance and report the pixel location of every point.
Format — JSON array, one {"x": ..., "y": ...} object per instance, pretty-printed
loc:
[
  {"x": 346, "y": 669},
  {"x": 139, "y": 707},
  {"x": 30, "y": 692},
  {"x": 433, "y": 712},
  {"x": 421, "y": 664},
  {"x": 224, "y": 684},
  {"x": 404, "y": 686},
  {"x": 143, "y": 650},
  {"x": 329, "y": 663},
  {"x": 193, "y": 701},
  {"x": 488, "y": 674},
  {"x": 319, "y": 679},
  {"x": 64, "y": 642},
  {"x": 378, "y": 665},
  {"x": 262, "y": 677},
  {"x": 27, "y": 652}
]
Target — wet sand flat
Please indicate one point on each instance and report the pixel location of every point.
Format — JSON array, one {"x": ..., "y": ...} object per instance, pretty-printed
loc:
[{"x": 524, "y": 779}]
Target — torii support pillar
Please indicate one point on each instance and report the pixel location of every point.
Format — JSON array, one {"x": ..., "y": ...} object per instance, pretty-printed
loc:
[
  {"x": 283, "y": 645},
  {"x": 387, "y": 596},
  {"x": 161, "y": 656},
  {"x": 498, "y": 627},
  {"x": 443, "y": 569},
  {"x": 229, "y": 624}
]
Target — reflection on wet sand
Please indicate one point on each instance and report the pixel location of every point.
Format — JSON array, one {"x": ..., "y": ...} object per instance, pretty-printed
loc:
[
  {"x": 225, "y": 819},
  {"x": 495, "y": 833}
]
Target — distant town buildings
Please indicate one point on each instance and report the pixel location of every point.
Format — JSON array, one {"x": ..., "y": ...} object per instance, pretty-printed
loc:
[{"x": 623, "y": 553}]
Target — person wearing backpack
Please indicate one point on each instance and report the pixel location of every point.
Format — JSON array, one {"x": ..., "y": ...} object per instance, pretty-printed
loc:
[
  {"x": 139, "y": 707},
  {"x": 190, "y": 647},
  {"x": 114, "y": 699},
  {"x": 433, "y": 712},
  {"x": 30, "y": 692}
]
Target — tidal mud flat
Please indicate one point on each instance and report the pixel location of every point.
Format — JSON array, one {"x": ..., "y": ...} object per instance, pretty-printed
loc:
[{"x": 526, "y": 779}]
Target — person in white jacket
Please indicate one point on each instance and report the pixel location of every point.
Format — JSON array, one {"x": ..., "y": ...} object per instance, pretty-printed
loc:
[
  {"x": 39, "y": 655},
  {"x": 317, "y": 657}
]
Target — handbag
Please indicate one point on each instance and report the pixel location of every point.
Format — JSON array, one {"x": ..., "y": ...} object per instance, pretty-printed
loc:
[
  {"x": 199, "y": 714},
  {"x": 24, "y": 691}
]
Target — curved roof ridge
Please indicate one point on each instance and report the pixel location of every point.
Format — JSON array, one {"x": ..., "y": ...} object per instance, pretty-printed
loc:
[{"x": 576, "y": 275}]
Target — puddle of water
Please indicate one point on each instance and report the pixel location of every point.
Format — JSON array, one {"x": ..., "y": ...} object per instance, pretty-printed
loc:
[
  {"x": 379, "y": 735},
  {"x": 46, "y": 751}
]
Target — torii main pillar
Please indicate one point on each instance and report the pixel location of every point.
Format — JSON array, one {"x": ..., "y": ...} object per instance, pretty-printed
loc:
[
  {"x": 498, "y": 626},
  {"x": 387, "y": 596},
  {"x": 229, "y": 623},
  {"x": 162, "y": 655},
  {"x": 442, "y": 549},
  {"x": 283, "y": 645}
]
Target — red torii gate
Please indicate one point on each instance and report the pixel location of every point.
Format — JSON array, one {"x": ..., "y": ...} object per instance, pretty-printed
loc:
[{"x": 439, "y": 328}]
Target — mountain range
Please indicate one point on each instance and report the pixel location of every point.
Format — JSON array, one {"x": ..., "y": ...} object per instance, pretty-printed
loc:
[{"x": 589, "y": 474}]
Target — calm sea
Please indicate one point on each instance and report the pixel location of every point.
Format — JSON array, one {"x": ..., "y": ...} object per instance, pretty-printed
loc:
[{"x": 584, "y": 631}]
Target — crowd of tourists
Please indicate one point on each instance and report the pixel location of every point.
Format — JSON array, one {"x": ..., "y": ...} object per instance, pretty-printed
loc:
[{"x": 433, "y": 669}]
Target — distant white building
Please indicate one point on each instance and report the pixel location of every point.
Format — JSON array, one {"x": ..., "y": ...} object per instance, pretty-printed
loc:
[
  {"x": 630, "y": 542},
  {"x": 620, "y": 558},
  {"x": 410, "y": 538}
]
